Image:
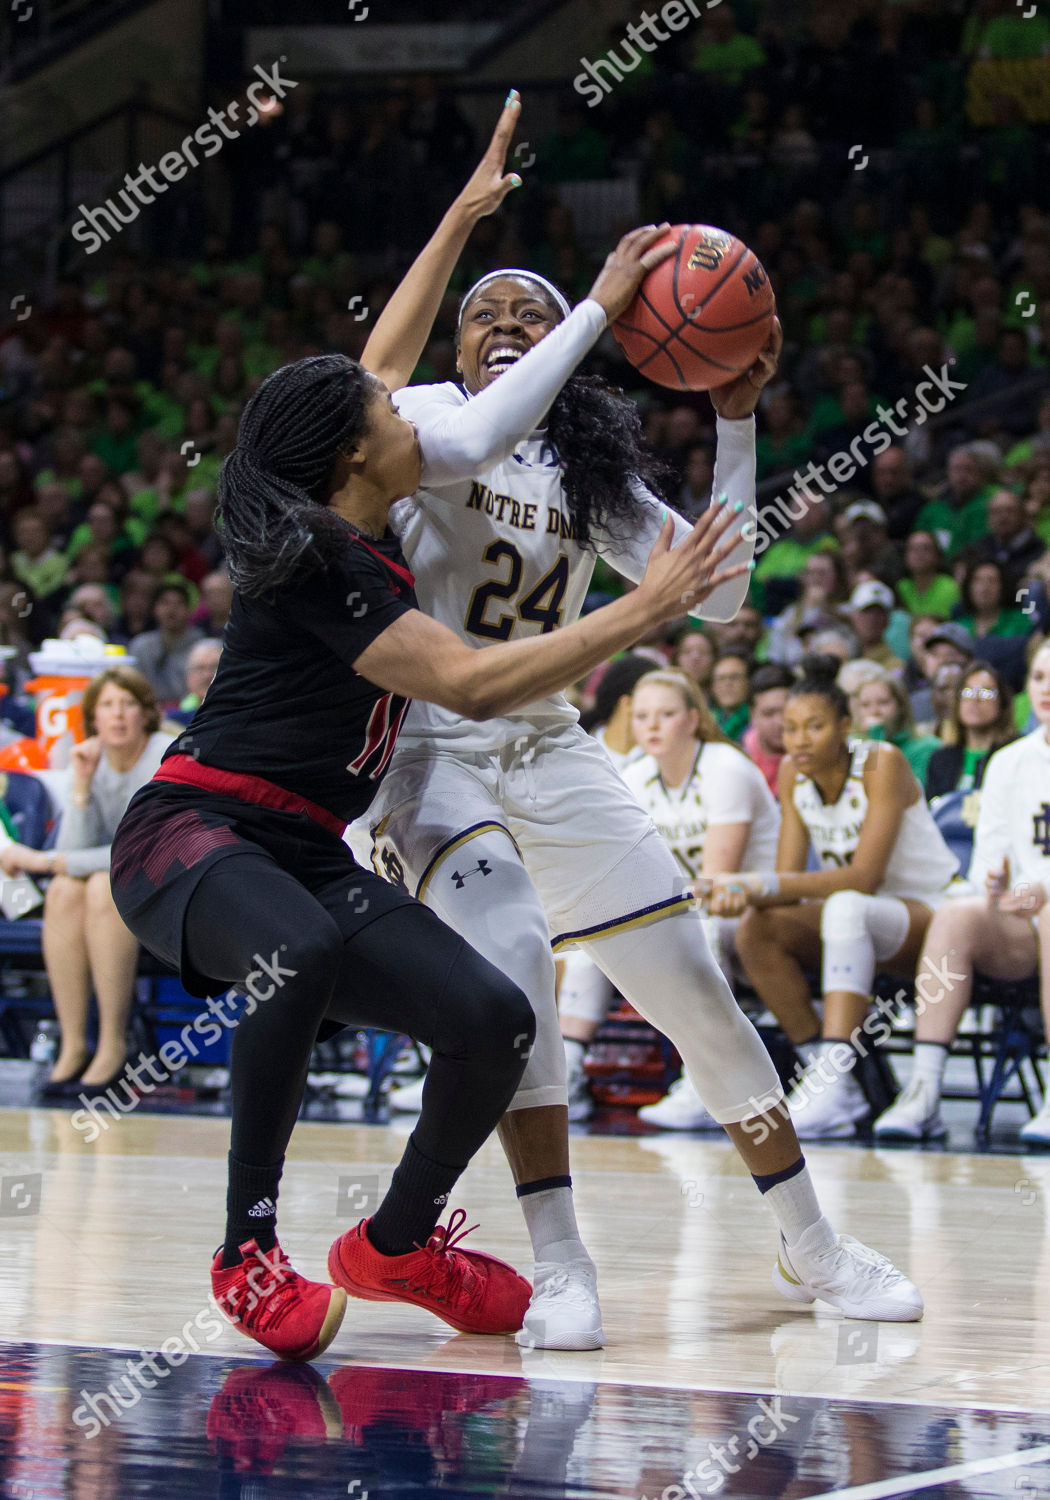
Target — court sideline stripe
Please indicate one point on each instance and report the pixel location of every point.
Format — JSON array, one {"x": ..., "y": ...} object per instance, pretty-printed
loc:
[{"x": 910, "y": 1484}]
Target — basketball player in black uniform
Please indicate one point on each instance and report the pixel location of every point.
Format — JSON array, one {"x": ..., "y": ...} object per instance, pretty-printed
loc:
[{"x": 230, "y": 864}]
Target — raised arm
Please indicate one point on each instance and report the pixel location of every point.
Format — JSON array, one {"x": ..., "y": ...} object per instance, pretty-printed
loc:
[
  {"x": 734, "y": 476},
  {"x": 403, "y": 327},
  {"x": 416, "y": 657}
]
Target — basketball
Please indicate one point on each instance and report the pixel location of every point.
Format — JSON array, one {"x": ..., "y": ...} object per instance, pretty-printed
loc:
[{"x": 701, "y": 317}]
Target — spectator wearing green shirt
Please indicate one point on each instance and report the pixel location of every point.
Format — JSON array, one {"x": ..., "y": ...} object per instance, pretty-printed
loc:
[
  {"x": 782, "y": 445},
  {"x": 986, "y": 606},
  {"x": 796, "y": 542},
  {"x": 883, "y": 712},
  {"x": 927, "y": 588},
  {"x": 724, "y": 54},
  {"x": 34, "y": 561},
  {"x": 958, "y": 514},
  {"x": 116, "y": 444},
  {"x": 103, "y": 529},
  {"x": 1038, "y": 445},
  {"x": 1008, "y": 37},
  {"x": 1037, "y": 499},
  {"x": 730, "y": 682}
]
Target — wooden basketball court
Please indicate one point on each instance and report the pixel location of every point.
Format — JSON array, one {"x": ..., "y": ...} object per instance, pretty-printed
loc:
[{"x": 106, "y": 1254}]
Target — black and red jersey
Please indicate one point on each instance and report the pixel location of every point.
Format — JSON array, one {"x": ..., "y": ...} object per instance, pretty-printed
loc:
[{"x": 286, "y": 704}]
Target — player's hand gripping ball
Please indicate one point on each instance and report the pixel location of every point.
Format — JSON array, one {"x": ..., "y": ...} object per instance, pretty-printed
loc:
[{"x": 701, "y": 317}]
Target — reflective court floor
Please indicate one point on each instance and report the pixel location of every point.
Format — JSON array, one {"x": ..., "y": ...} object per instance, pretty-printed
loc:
[{"x": 710, "y": 1382}]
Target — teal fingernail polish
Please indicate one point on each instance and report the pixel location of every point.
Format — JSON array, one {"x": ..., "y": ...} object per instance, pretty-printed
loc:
[
  {"x": 510, "y": 98},
  {"x": 723, "y": 497},
  {"x": 515, "y": 180},
  {"x": 752, "y": 565},
  {"x": 738, "y": 507}
]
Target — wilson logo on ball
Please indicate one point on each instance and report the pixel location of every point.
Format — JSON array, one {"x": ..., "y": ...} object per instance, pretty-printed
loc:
[{"x": 700, "y": 318}]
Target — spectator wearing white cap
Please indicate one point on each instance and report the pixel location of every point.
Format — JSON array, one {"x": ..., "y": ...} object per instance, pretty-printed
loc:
[{"x": 870, "y": 606}]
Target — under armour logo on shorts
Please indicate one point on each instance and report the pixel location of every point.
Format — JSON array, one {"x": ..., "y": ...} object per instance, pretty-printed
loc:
[{"x": 481, "y": 868}]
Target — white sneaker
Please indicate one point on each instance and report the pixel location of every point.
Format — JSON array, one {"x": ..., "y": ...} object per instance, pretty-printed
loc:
[
  {"x": 681, "y": 1108},
  {"x": 581, "y": 1101},
  {"x": 564, "y": 1311},
  {"x": 859, "y": 1281},
  {"x": 1037, "y": 1131},
  {"x": 826, "y": 1110},
  {"x": 915, "y": 1114},
  {"x": 408, "y": 1100}
]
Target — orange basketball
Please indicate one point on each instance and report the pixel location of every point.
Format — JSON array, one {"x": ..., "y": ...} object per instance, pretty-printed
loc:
[{"x": 701, "y": 317}]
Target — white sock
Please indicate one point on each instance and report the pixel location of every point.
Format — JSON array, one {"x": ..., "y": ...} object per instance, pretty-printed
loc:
[
  {"x": 575, "y": 1052},
  {"x": 550, "y": 1217},
  {"x": 808, "y": 1051},
  {"x": 931, "y": 1058},
  {"x": 795, "y": 1207}
]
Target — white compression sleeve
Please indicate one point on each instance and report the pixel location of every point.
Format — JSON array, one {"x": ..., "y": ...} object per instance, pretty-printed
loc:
[
  {"x": 734, "y": 476},
  {"x": 459, "y": 441}
]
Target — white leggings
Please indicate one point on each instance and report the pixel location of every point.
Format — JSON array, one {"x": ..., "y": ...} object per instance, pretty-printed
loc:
[
  {"x": 586, "y": 994},
  {"x": 664, "y": 969},
  {"x": 859, "y": 932}
]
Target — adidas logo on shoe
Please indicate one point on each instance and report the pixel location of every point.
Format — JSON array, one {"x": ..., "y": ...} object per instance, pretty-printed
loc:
[
  {"x": 442, "y": 1199},
  {"x": 264, "y": 1209}
]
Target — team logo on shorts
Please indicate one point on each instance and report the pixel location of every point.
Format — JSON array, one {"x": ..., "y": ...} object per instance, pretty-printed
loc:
[
  {"x": 481, "y": 868},
  {"x": 1041, "y": 829}
]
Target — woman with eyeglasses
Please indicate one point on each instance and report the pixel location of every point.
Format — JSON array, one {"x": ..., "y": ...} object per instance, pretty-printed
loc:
[
  {"x": 729, "y": 687},
  {"x": 1004, "y": 932},
  {"x": 981, "y": 721}
]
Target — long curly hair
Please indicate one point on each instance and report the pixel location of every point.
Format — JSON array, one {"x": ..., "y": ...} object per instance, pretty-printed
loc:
[
  {"x": 596, "y": 433},
  {"x": 272, "y": 515}
]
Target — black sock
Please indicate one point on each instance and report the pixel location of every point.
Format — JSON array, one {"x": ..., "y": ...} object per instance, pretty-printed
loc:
[
  {"x": 251, "y": 1208},
  {"x": 418, "y": 1192}
]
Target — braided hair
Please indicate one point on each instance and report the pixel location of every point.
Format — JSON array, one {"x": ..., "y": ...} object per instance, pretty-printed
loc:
[
  {"x": 275, "y": 524},
  {"x": 595, "y": 431}
]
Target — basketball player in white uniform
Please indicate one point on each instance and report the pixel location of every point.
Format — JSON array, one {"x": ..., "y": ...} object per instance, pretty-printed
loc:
[
  {"x": 884, "y": 870},
  {"x": 714, "y": 811},
  {"x": 1004, "y": 931},
  {"x": 519, "y": 832}
]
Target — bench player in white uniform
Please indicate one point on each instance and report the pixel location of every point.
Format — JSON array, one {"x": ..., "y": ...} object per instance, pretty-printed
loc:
[
  {"x": 1004, "y": 931},
  {"x": 714, "y": 811},
  {"x": 884, "y": 869},
  {"x": 519, "y": 832}
]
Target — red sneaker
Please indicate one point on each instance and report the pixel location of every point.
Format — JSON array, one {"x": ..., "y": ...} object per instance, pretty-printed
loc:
[
  {"x": 268, "y": 1301},
  {"x": 475, "y": 1293},
  {"x": 258, "y": 1411}
]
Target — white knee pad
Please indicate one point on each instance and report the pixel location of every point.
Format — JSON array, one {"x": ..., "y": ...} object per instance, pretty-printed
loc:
[
  {"x": 481, "y": 890},
  {"x": 858, "y": 932},
  {"x": 584, "y": 991},
  {"x": 667, "y": 972}
]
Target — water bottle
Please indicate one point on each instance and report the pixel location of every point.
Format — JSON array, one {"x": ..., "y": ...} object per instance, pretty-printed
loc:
[{"x": 44, "y": 1048}]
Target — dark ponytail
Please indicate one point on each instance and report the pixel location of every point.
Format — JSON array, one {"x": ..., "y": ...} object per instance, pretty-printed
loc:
[
  {"x": 596, "y": 432},
  {"x": 817, "y": 679},
  {"x": 273, "y": 519}
]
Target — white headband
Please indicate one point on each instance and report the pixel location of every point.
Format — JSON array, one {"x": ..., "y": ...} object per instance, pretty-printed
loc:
[{"x": 532, "y": 276}]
